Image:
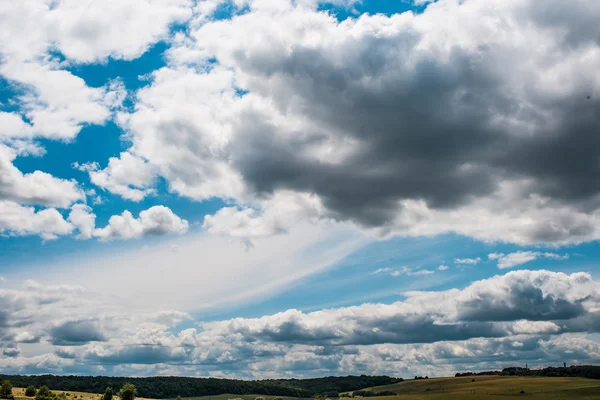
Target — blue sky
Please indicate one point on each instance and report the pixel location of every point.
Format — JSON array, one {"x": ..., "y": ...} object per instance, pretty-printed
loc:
[{"x": 249, "y": 188}]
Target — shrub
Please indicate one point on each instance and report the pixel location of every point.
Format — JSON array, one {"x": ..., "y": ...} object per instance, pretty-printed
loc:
[
  {"x": 44, "y": 394},
  {"x": 128, "y": 392},
  {"x": 6, "y": 390},
  {"x": 108, "y": 394}
]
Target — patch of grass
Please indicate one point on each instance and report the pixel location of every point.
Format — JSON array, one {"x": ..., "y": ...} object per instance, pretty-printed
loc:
[
  {"x": 20, "y": 395},
  {"x": 493, "y": 387},
  {"x": 241, "y": 396}
]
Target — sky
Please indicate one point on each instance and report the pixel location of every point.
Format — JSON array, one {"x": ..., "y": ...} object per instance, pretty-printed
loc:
[{"x": 298, "y": 188}]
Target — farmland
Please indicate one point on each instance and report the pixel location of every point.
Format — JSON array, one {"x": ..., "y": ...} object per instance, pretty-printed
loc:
[
  {"x": 483, "y": 387},
  {"x": 493, "y": 387}
]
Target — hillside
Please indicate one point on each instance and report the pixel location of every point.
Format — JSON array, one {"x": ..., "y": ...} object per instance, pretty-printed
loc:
[
  {"x": 493, "y": 387},
  {"x": 167, "y": 387},
  {"x": 19, "y": 394}
]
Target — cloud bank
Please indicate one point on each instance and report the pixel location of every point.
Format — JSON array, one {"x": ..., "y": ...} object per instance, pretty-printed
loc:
[{"x": 538, "y": 316}]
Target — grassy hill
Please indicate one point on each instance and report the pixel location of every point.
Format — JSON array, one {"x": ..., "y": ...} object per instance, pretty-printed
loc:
[
  {"x": 162, "y": 387},
  {"x": 228, "y": 396},
  {"x": 19, "y": 394},
  {"x": 493, "y": 387}
]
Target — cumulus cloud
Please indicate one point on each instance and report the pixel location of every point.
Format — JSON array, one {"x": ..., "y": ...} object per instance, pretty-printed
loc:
[
  {"x": 297, "y": 104},
  {"x": 522, "y": 257},
  {"x": 36, "y": 188},
  {"x": 495, "y": 307},
  {"x": 85, "y": 32},
  {"x": 56, "y": 103},
  {"x": 157, "y": 220},
  {"x": 74, "y": 333},
  {"x": 11, "y": 352},
  {"x": 82, "y": 217},
  {"x": 276, "y": 216},
  {"x": 17, "y": 220},
  {"x": 490, "y": 323},
  {"x": 127, "y": 176}
]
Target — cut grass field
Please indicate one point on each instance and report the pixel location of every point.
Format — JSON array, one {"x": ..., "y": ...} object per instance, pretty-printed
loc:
[
  {"x": 464, "y": 388},
  {"x": 242, "y": 396},
  {"x": 493, "y": 387},
  {"x": 19, "y": 394}
]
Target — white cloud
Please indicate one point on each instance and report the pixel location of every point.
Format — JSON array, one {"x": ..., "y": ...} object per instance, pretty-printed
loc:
[
  {"x": 128, "y": 176},
  {"x": 404, "y": 271},
  {"x": 467, "y": 261},
  {"x": 56, "y": 102},
  {"x": 278, "y": 214},
  {"x": 157, "y": 220},
  {"x": 521, "y": 257},
  {"x": 87, "y": 31},
  {"x": 442, "y": 268},
  {"x": 180, "y": 127},
  {"x": 34, "y": 188},
  {"x": 82, "y": 217},
  {"x": 299, "y": 125},
  {"x": 17, "y": 220},
  {"x": 494, "y": 321}
]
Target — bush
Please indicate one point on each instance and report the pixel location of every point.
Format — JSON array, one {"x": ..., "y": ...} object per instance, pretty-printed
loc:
[
  {"x": 128, "y": 392},
  {"x": 6, "y": 390},
  {"x": 259, "y": 398},
  {"x": 108, "y": 394},
  {"x": 30, "y": 391},
  {"x": 44, "y": 394}
]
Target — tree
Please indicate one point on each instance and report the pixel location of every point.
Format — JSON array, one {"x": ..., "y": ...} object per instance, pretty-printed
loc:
[
  {"x": 30, "y": 391},
  {"x": 128, "y": 392},
  {"x": 6, "y": 390},
  {"x": 178, "y": 398},
  {"x": 108, "y": 394},
  {"x": 44, "y": 394}
]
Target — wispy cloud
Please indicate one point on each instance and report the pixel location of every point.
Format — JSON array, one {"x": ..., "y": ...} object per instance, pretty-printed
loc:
[
  {"x": 404, "y": 271},
  {"x": 521, "y": 257},
  {"x": 442, "y": 268},
  {"x": 467, "y": 261}
]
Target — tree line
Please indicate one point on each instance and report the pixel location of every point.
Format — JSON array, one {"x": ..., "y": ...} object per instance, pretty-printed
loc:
[
  {"x": 574, "y": 371},
  {"x": 170, "y": 387}
]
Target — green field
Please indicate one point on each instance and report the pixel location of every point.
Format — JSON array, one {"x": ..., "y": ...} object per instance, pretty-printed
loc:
[
  {"x": 493, "y": 387},
  {"x": 242, "y": 396},
  {"x": 482, "y": 388}
]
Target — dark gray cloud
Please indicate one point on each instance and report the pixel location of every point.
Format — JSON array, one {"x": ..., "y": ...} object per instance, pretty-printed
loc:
[
  {"x": 399, "y": 112},
  {"x": 65, "y": 353},
  {"x": 76, "y": 333},
  {"x": 11, "y": 352},
  {"x": 417, "y": 137},
  {"x": 520, "y": 302},
  {"x": 139, "y": 354}
]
